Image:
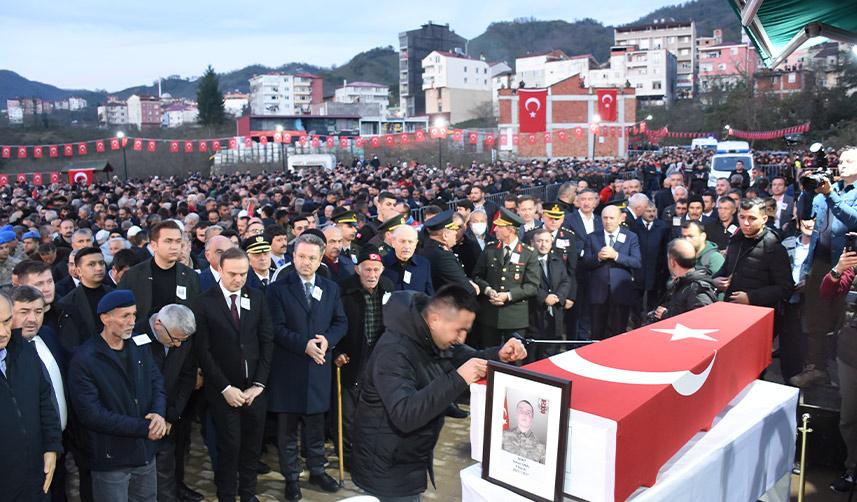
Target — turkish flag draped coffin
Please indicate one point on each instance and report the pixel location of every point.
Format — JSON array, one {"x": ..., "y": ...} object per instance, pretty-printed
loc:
[
  {"x": 532, "y": 110},
  {"x": 607, "y": 104},
  {"x": 638, "y": 398}
]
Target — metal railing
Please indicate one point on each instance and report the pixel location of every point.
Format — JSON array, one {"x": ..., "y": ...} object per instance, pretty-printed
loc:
[{"x": 542, "y": 193}]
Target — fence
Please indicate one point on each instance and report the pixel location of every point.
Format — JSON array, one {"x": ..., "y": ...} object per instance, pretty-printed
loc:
[{"x": 543, "y": 193}]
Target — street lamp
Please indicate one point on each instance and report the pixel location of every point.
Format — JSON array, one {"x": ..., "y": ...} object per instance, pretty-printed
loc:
[
  {"x": 439, "y": 123},
  {"x": 121, "y": 136},
  {"x": 283, "y": 151},
  {"x": 596, "y": 119}
]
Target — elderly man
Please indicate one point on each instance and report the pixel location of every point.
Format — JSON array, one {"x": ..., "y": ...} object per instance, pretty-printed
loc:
[
  {"x": 445, "y": 265},
  {"x": 214, "y": 247},
  {"x": 30, "y": 429},
  {"x": 546, "y": 308},
  {"x": 118, "y": 395},
  {"x": 404, "y": 268},
  {"x": 170, "y": 330},
  {"x": 521, "y": 440},
  {"x": 613, "y": 257},
  {"x": 308, "y": 320},
  {"x": 340, "y": 266}
]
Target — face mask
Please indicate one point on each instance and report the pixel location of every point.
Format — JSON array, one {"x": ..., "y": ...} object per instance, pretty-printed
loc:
[{"x": 479, "y": 228}]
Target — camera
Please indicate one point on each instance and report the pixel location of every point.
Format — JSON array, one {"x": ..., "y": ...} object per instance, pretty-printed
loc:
[
  {"x": 809, "y": 182},
  {"x": 851, "y": 241}
]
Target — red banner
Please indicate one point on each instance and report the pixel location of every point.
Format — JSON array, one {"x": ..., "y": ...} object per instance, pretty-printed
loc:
[
  {"x": 137, "y": 145},
  {"x": 607, "y": 104},
  {"x": 37, "y": 179},
  {"x": 99, "y": 146},
  {"x": 174, "y": 147},
  {"x": 420, "y": 136},
  {"x": 55, "y": 177},
  {"x": 532, "y": 110},
  {"x": 67, "y": 150},
  {"x": 151, "y": 146},
  {"x": 82, "y": 149},
  {"x": 6, "y": 152},
  {"x": 37, "y": 152}
]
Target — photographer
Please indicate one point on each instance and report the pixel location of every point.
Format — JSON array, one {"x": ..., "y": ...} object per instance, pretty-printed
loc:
[
  {"x": 834, "y": 209},
  {"x": 834, "y": 288}
]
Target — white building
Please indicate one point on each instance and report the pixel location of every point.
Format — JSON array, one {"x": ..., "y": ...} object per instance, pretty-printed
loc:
[
  {"x": 652, "y": 73},
  {"x": 179, "y": 114},
  {"x": 548, "y": 68},
  {"x": 113, "y": 113},
  {"x": 235, "y": 102},
  {"x": 679, "y": 38},
  {"x": 75, "y": 104},
  {"x": 363, "y": 92},
  {"x": 282, "y": 94},
  {"x": 14, "y": 111},
  {"x": 455, "y": 85}
]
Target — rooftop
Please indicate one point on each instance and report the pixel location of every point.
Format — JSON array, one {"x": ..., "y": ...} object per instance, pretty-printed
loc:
[
  {"x": 654, "y": 26},
  {"x": 363, "y": 84}
]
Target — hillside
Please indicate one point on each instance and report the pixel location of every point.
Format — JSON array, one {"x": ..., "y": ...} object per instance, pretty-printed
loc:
[
  {"x": 708, "y": 14},
  {"x": 13, "y": 85}
]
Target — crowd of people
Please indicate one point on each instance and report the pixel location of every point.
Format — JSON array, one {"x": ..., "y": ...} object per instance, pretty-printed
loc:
[{"x": 133, "y": 309}]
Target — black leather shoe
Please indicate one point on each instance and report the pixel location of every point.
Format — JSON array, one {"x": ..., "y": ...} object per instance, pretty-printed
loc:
[
  {"x": 186, "y": 494},
  {"x": 453, "y": 411},
  {"x": 293, "y": 490},
  {"x": 325, "y": 482},
  {"x": 262, "y": 468}
]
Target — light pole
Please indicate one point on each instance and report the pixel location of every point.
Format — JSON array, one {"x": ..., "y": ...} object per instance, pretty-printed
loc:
[
  {"x": 439, "y": 123},
  {"x": 596, "y": 119},
  {"x": 283, "y": 151},
  {"x": 121, "y": 136}
]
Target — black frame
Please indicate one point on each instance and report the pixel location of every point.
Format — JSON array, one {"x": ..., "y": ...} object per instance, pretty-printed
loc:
[{"x": 489, "y": 423}]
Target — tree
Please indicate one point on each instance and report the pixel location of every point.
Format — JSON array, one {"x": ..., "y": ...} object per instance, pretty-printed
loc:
[{"x": 209, "y": 99}]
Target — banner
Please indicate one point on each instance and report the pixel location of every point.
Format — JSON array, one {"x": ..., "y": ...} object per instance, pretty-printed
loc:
[{"x": 532, "y": 110}]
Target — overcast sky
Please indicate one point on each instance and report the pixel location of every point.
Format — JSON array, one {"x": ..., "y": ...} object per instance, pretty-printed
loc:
[{"x": 116, "y": 44}]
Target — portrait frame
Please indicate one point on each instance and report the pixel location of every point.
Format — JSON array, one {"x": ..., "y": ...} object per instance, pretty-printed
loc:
[{"x": 535, "y": 476}]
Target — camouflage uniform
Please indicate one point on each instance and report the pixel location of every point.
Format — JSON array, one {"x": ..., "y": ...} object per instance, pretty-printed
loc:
[
  {"x": 6, "y": 267},
  {"x": 524, "y": 444}
]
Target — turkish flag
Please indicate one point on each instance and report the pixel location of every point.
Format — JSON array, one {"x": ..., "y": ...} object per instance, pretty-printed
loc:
[
  {"x": 562, "y": 136},
  {"x": 114, "y": 144},
  {"x": 82, "y": 149},
  {"x": 22, "y": 178},
  {"x": 287, "y": 138},
  {"x": 404, "y": 139},
  {"x": 174, "y": 147},
  {"x": 456, "y": 135},
  {"x": 531, "y": 139},
  {"x": 359, "y": 142},
  {"x": 99, "y": 146},
  {"x": 278, "y": 137},
  {"x": 516, "y": 138},
  {"x": 643, "y": 127},
  {"x": 203, "y": 146},
  {"x": 315, "y": 142},
  {"x": 55, "y": 177},
  {"x": 4, "y": 180},
  {"x": 215, "y": 145},
  {"x": 390, "y": 140},
  {"x": 343, "y": 142},
  {"x": 489, "y": 140},
  {"x": 434, "y": 132},
  {"x": 263, "y": 140},
  {"x": 22, "y": 152},
  {"x": 376, "y": 142},
  {"x": 547, "y": 137},
  {"x": 420, "y": 136},
  {"x": 302, "y": 140},
  {"x": 53, "y": 151},
  {"x": 6, "y": 152},
  {"x": 329, "y": 142},
  {"x": 578, "y": 131},
  {"x": 505, "y": 414},
  {"x": 233, "y": 143},
  {"x": 607, "y": 104},
  {"x": 138, "y": 145},
  {"x": 503, "y": 139},
  {"x": 188, "y": 147},
  {"x": 37, "y": 179},
  {"x": 248, "y": 141},
  {"x": 82, "y": 176},
  {"x": 532, "y": 110},
  {"x": 37, "y": 152},
  {"x": 151, "y": 146},
  {"x": 473, "y": 138}
]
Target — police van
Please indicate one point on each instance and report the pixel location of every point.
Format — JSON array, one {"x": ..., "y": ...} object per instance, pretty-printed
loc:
[{"x": 724, "y": 160}]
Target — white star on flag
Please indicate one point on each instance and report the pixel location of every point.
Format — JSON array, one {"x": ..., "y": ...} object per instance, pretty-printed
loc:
[
  {"x": 533, "y": 114},
  {"x": 681, "y": 332}
]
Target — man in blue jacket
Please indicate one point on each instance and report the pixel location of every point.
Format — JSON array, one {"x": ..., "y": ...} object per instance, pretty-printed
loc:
[{"x": 118, "y": 395}]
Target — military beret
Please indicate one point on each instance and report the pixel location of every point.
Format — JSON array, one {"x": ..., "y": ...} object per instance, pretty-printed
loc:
[
  {"x": 115, "y": 299},
  {"x": 391, "y": 224},
  {"x": 508, "y": 219},
  {"x": 5, "y": 228},
  {"x": 32, "y": 235},
  {"x": 256, "y": 244},
  {"x": 441, "y": 221},
  {"x": 7, "y": 236},
  {"x": 368, "y": 255}
]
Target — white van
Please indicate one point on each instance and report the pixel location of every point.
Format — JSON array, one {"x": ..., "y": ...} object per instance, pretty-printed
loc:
[
  {"x": 704, "y": 143},
  {"x": 728, "y": 154}
]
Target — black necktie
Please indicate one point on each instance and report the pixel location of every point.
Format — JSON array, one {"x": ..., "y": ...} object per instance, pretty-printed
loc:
[
  {"x": 236, "y": 319},
  {"x": 506, "y": 254},
  {"x": 264, "y": 282}
]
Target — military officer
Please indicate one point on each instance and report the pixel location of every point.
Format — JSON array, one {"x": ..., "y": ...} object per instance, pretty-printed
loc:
[
  {"x": 507, "y": 274},
  {"x": 383, "y": 239},
  {"x": 445, "y": 266},
  {"x": 346, "y": 220},
  {"x": 7, "y": 261},
  {"x": 521, "y": 440}
]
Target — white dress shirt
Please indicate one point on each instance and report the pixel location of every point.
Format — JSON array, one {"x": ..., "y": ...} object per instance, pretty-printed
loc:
[
  {"x": 588, "y": 223},
  {"x": 227, "y": 296},
  {"x": 55, "y": 376}
]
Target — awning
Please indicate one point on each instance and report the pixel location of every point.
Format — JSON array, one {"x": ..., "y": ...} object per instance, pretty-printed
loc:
[{"x": 779, "y": 27}]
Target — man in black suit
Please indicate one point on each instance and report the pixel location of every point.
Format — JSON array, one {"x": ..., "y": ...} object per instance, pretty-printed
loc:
[
  {"x": 666, "y": 197},
  {"x": 785, "y": 203},
  {"x": 38, "y": 274},
  {"x": 650, "y": 279},
  {"x": 546, "y": 308},
  {"x": 583, "y": 221},
  {"x": 123, "y": 260},
  {"x": 234, "y": 344},
  {"x": 214, "y": 247},
  {"x": 161, "y": 280},
  {"x": 476, "y": 195},
  {"x": 70, "y": 280},
  {"x": 170, "y": 330},
  {"x": 564, "y": 244},
  {"x": 78, "y": 320}
]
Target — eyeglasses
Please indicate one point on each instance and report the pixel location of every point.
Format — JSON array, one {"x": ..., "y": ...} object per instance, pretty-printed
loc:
[{"x": 174, "y": 340}]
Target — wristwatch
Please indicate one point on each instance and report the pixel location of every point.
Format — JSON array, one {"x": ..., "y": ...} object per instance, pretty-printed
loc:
[{"x": 836, "y": 275}]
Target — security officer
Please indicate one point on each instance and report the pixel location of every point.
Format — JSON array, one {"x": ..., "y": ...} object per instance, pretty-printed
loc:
[
  {"x": 346, "y": 220},
  {"x": 7, "y": 261},
  {"x": 445, "y": 266},
  {"x": 521, "y": 440},
  {"x": 383, "y": 239},
  {"x": 507, "y": 274}
]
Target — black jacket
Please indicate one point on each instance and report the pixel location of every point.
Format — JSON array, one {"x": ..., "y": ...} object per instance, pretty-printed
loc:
[
  {"x": 178, "y": 367},
  {"x": 354, "y": 343},
  {"x": 759, "y": 267},
  {"x": 139, "y": 280},
  {"x": 76, "y": 324},
  {"x": 445, "y": 267},
  {"x": 691, "y": 291},
  {"x": 407, "y": 387},
  {"x": 29, "y": 424},
  {"x": 559, "y": 284}
]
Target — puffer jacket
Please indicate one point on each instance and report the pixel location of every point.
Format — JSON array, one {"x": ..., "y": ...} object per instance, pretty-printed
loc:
[
  {"x": 406, "y": 388},
  {"x": 759, "y": 267},
  {"x": 691, "y": 291}
]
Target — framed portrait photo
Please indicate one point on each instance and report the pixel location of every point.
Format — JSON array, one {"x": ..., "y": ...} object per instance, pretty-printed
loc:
[{"x": 526, "y": 428}]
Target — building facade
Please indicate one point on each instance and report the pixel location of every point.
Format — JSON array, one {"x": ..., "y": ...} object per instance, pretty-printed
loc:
[
  {"x": 652, "y": 73},
  {"x": 114, "y": 112},
  {"x": 502, "y": 77},
  {"x": 679, "y": 38},
  {"x": 363, "y": 92},
  {"x": 414, "y": 46},
  {"x": 455, "y": 86},
  {"x": 180, "y": 114},
  {"x": 144, "y": 111},
  {"x": 235, "y": 102},
  {"x": 725, "y": 64},
  {"x": 284, "y": 94}
]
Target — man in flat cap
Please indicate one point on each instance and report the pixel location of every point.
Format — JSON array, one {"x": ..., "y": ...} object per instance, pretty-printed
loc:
[
  {"x": 117, "y": 393},
  {"x": 445, "y": 266},
  {"x": 507, "y": 274}
]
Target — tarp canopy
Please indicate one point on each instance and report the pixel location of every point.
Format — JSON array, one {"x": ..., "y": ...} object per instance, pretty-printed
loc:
[{"x": 779, "y": 27}]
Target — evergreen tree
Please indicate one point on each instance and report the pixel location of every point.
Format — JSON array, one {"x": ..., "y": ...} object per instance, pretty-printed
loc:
[{"x": 209, "y": 99}]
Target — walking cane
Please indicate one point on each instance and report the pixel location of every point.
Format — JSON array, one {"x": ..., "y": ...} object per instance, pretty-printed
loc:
[
  {"x": 804, "y": 430},
  {"x": 339, "y": 420}
]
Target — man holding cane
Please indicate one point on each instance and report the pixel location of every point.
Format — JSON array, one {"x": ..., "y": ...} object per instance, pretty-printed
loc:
[{"x": 419, "y": 366}]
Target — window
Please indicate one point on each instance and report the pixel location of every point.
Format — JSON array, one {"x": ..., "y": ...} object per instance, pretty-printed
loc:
[
  {"x": 465, "y": 80},
  {"x": 485, "y": 81},
  {"x": 721, "y": 67},
  {"x": 656, "y": 84},
  {"x": 733, "y": 51},
  {"x": 672, "y": 40},
  {"x": 465, "y": 69},
  {"x": 792, "y": 78}
]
